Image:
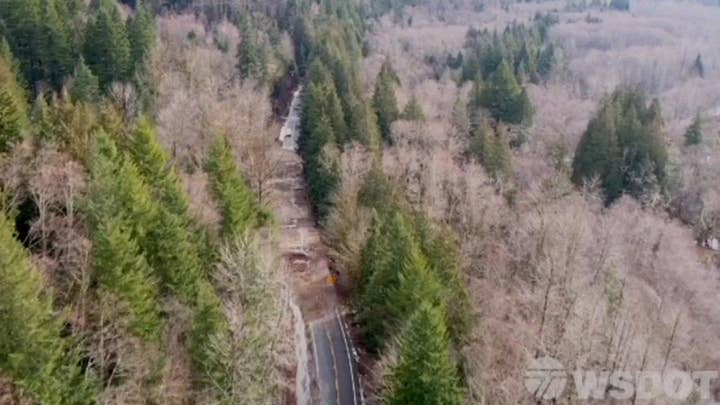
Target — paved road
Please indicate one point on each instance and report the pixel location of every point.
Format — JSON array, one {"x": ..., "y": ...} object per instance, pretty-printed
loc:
[{"x": 335, "y": 363}]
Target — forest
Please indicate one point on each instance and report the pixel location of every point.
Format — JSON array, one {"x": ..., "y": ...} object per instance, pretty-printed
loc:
[{"x": 477, "y": 184}]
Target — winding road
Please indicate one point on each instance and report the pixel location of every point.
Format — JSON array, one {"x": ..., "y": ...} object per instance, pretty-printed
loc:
[{"x": 327, "y": 371}]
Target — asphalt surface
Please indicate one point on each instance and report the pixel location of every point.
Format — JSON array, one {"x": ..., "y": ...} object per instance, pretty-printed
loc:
[{"x": 335, "y": 364}]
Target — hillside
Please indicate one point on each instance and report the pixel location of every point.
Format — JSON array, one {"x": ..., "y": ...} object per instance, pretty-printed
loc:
[{"x": 359, "y": 201}]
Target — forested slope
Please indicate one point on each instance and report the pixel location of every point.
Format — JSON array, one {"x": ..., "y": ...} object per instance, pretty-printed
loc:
[
  {"x": 495, "y": 180},
  {"x": 115, "y": 288}
]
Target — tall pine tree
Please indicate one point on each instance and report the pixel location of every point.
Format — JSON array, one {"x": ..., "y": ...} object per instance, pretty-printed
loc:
[
  {"x": 107, "y": 48},
  {"x": 499, "y": 157},
  {"x": 251, "y": 57},
  {"x": 85, "y": 85},
  {"x": 322, "y": 124},
  {"x": 181, "y": 243},
  {"x": 426, "y": 373},
  {"x": 58, "y": 49},
  {"x": 389, "y": 247},
  {"x": 442, "y": 251},
  {"x": 121, "y": 210},
  {"x": 41, "y": 37},
  {"x": 413, "y": 111},
  {"x": 238, "y": 205},
  {"x": 623, "y": 146},
  {"x": 141, "y": 36},
  {"x": 11, "y": 120},
  {"x": 13, "y": 106},
  {"x": 147, "y": 219},
  {"x": 384, "y": 100},
  {"x": 123, "y": 270},
  {"x": 694, "y": 135},
  {"x": 504, "y": 97},
  {"x": 32, "y": 352}
]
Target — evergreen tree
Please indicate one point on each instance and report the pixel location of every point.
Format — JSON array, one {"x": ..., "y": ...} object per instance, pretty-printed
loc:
[
  {"x": 123, "y": 270},
  {"x": 521, "y": 47},
  {"x": 480, "y": 145},
  {"x": 67, "y": 124},
  {"x": 389, "y": 247},
  {"x": 321, "y": 124},
  {"x": 176, "y": 248},
  {"x": 238, "y": 205},
  {"x": 251, "y": 58},
  {"x": 85, "y": 85},
  {"x": 208, "y": 322},
  {"x": 323, "y": 102},
  {"x": 623, "y": 146},
  {"x": 32, "y": 352},
  {"x": 699, "y": 66},
  {"x": 330, "y": 56},
  {"x": 596, "y": 155},
  {"x": 107, "y": 48},
  {"x": 145, "y": 86},
  {"x": 377, "y": 193},
  {"x": 13, "y": 105},
  {"x": 321, "y": 171},
  {"x": 57, "y": 46},
  {"x": 474, "y": 104},
  {"x": 504, "y": 98},
  {"x": 336, "y": 116},
  {"x": 455, "y": 62},
  {"x": 471, "y": 67},
  {"x": 413, "y": 111},
  {"x": 375, "y": 254},
  {"x": 179, "y": 246},
  {"x": 442, "y": 250},
  {"x": 118, "y": 189},
  {"x": 154, "y": 163},
  {"x": 318, "y": 73},
  {"x": 384, "y": 100},
  {"x": 499, "y": 160},
  {"x": 417, "y": 282},
  {"x": 622, "y": 5},
  {"x": 491, "y": 148},
  {"x": 426, "y": 373},
  {"x": 141, "y": 36},
  {"x": 11, "y": 120},
  {"x": 524, "y": 64},
  {"x": 546, "y": 61},
  {"x": 40, "y": 36},
  {"x": 491, "y": 56},
  {"x": 137, "y": 214},
  {"x": 120, "y": 211},
  {"x": 694, "y": 135},
  {"x": 5, "y": 51},
  {"x": 20, "y": 22}
]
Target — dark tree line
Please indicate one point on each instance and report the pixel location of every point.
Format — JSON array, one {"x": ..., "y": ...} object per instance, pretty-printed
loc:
[
  {"x": 384, "y": 101},
  {"x": 526, "y": 50},
  {"x": 145, "y": 247},
  {"x": 52, "y": 38},
  {"x": 623, "y": 147},
  {"x": 335, "y": 110},
  {"x": 499, "y": 64},
  {"x": 410, "y": 292}
]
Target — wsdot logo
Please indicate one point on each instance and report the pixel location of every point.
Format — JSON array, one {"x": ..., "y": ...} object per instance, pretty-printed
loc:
[{"x": 545, "y": 378}]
